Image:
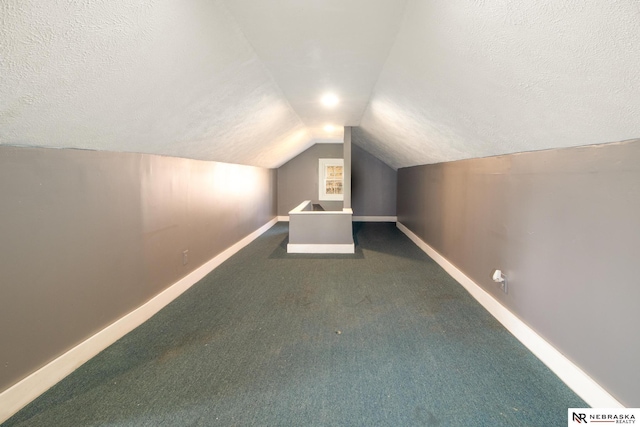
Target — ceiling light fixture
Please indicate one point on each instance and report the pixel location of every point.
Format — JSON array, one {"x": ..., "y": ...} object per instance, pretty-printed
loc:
[
  {"x": 330, "y": 100},
  {"x": 329, "y": 128}
]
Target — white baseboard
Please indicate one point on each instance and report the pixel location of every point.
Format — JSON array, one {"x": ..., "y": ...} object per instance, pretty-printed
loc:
[
  {"x": 299, "y": 248},
  {"x": 581, "y": 383},
  {"x": 20, "y": 394},
  {"x": 285, "y": 218},
  {"x": 376, "y": 218}
]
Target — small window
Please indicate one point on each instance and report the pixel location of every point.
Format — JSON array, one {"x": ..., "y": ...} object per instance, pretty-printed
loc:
[{"x": 330, "y": 179}]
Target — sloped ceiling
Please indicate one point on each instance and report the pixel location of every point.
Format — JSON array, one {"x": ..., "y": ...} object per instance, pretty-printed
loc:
[
  {"x": 168, "y": 77},
  {"x": 476, "y": 78},
  {"x": 312, "y": 47},
  {"x": 240, "y": 80}
]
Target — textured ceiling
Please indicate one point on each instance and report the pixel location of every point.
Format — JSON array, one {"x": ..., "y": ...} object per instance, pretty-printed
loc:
[
  {"x": 168, "y": 77},
  {"x": 240, "y": 80},
  {"x": 316, "y": 46},
  {"x": 476, "y": 78}
]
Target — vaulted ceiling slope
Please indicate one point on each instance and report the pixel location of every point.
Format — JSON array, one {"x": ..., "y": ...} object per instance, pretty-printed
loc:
[
  {"x": 240, "y": 80},
  {"x": 476, "y": 78},
  {"x": 168, "y": 77}
]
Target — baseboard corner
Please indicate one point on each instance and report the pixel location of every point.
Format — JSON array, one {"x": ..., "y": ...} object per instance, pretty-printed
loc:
[{"x": 374, "y": 218}]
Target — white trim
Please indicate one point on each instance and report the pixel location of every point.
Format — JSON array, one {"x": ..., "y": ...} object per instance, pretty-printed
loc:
[
  {"x": 325, "y": 248},
  {"x": 283, "y": 218},
  {"x": 376, "y": 218},
  {"x": 301, "y": 207},
  {"x": 579, "y": 381},
  {"x": 20, "y": 394},
  {"x": 344, "y": 211},
  {"x": 328, "y": 140},
  {"x": 304, "y": 208}
]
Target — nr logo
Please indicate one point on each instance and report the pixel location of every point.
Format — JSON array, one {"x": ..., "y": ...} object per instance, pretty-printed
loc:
[{"x": 580, "y": 418}]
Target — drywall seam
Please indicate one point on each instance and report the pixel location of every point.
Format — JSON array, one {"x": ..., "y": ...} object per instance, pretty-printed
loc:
[
  {"x": 574, "y": 377},
  {"x": 392, "y": 47},
  {"x": 22, "y": 393},
  {"x": 367, "y": 218}
]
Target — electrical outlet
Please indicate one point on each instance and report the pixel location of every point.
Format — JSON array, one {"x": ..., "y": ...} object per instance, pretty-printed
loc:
[
  {"x": 500, "y": 279},
  {"x": 503, "y": 285},
  {"x": 185, "y": 257}
]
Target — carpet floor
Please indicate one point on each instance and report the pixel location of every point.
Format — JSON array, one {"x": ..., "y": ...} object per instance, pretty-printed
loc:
[{"x": 383, "y": 337}]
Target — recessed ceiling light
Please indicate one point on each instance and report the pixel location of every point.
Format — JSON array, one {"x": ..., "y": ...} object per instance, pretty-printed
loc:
[
  {"x": 329, "y": 128},
  {"x": 330, "y": 100}
]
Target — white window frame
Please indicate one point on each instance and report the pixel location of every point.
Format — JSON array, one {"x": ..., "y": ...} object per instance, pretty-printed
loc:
[{"x": 322, "y": 168}]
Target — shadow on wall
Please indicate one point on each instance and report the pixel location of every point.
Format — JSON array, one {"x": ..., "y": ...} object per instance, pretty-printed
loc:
[{"x": 373, "y": 185}]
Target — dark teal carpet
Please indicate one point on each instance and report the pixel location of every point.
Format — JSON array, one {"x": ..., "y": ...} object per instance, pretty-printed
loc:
[{"x": 383, "y": 337}]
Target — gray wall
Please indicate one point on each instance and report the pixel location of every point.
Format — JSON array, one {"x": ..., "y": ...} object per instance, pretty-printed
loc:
[
  {"x": 373, "y": 185},
  {"x": 564, "y": 225},
  {"x": 89, "y": 236},
  {"x": 298, "y": 178},
  {"x": 320, "y": 228}
]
